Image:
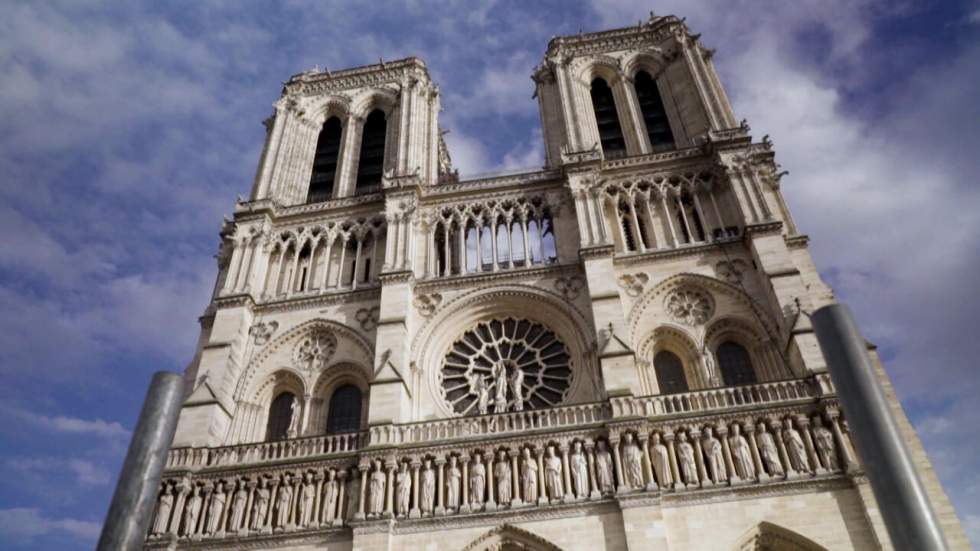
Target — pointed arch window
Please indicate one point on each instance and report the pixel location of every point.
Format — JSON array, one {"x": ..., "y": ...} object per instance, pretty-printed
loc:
[
  {"x": 735, "y": 364},
  {"x": 607, "y": 120},
  {"x": 345, "y": 410},
  {"x": 654, "y": 113},
  {"x": 325, "y": 162},
  {"x": 670, "y": 372},
  {"x": 371, "y": 161},
  {"x": 280, "y": 414}
]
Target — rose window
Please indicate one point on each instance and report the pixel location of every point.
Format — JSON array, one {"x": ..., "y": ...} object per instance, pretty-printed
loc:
[
  {"x": 689, "y": 306},
  {"x": 506, "y": 365}
]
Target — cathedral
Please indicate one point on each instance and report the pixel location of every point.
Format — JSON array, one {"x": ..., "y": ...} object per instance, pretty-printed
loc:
[{"x": 612, "y": 352}]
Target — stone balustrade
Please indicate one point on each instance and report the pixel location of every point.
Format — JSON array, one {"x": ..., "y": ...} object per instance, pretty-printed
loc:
[
  {"x": 260, "y": 452},
  {"x": 713, "y": 399}
]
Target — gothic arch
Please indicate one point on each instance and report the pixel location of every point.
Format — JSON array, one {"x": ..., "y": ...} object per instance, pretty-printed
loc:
[
  {"x": 651, "y": 60},
  {"x": 331, "y": 106},
  {"x": 329, "y": 381},
  {"x": 538, "y": 305},
  {"x": 767, "y": 536},
  {"x": 510, "y": 538},
  {"x": 600, "y": 66},
  {"x": 678, "y": 340},
  {"x": 375, "y": 98}
]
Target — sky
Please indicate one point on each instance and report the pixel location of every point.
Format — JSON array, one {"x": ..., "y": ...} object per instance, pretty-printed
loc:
[{"x": 129, "y": 129}]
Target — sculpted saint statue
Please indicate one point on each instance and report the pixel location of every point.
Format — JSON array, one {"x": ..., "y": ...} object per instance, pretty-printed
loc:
[
  {"x": 306, "y": 502},
  {"x": 403, "y": 483},
  {"x": 260, "y": 507},
  {"x": 824, "y": 440},
  {"x": 501, "y": 471},
  {"x": 453, "y": 478},
  {"x": 552, "y": 474},
  {"x": 517, "y": 388},
  {"x": 768, "y": 450},
  {"x": 685, "y": 452},
  {"x": 330, "y": 493},
  {"x": 238, "y": 507},
  {"x": 529, "y": 477},
  {"x": 191, "y": 510},
  {"x": 428, "y": 488},
  {"x": 604, "y": 468},
  {"x": 282, "y": 503},
  {"x": 741, "y": 454},
  {"x": 499, "y": 388},
  {"x": 633, "y": 462},
  {"x": 377, "y": 487},
  {"x": 795, "y": 448},
  {"x": 163, "y": 510},
  {"x": 716, "y": 456},
  {"x": 217, "y": 508},
  {"x": 294, "y": 413},
  {"x": 479, "y": 387},
  {"x": 478, "y": 480},
  {"x": 661, "y": 462},
  {"x": 580, "y": 471}
]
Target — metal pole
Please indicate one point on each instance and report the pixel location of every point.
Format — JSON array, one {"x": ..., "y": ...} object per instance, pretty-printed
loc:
[
  {"x": 132, "y": 505},
  {"x": 911, "y": 522}
]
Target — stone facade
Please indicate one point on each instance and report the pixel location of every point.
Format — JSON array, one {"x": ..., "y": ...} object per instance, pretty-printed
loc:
[{"x": 610, "y": 353}]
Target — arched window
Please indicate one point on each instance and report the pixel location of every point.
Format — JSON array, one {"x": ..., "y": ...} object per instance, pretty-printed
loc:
[
  {"x": 345, "y": 410},
  {"x": 371, "y": 162},
  {"x": 654, "y": 114},
  {"x": 670, "y": 372},
  {"x": 325, "y": 162},
  {"x": 610, "y": 132},
  {"x": 280, "y": 414},
  {"x": 735, "y": 364}
]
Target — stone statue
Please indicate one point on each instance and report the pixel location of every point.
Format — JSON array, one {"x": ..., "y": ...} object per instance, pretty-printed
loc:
[
  {"x": 191, "y": 510},
  {"x": 428, "y": 483},
  {"x": 453, "y": 477},
  {"x": 403, "y": 484},
  {"x": 709, "y": 366},
  {"x": 478, "y": 480},
  {"x": 260, "y": 507},
  {"x": 294, "y": 414},
  {"x": 552, "y": 474},
  {"x": 580, "y": 471},
  {"x": 330, "y": 492},
  {"x": 502, "y": 474},
  {"x": 377, "y": 487},
  {"x": 632, "y": 462},
  {"x": 479, "y": 387},
  {"x": 769, "y": 451},
  {"x": 217, "y": 508},
  {"x": 716, "y": 456},
  {"x": 795, "y": 448},
  {"x": 283, "y": 500},
  {"x": 604, "y": 468},
  {"x": 499, "y": 388},
  {"x": 529, "y": 477},
  {"x": 824, "y": 440},
  {"x": 238, "y": 507},
  {"x": 741, "y": 454},
  {"x": 517, "y": 388},
  {"x": 689, "y": 468},
  {"x": 307, "y": 502},
  {"x": 661, "y": 462},
  {"x": 163, "y": 511}
]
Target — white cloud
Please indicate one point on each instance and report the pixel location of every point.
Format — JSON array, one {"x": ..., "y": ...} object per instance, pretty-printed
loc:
[
  {"x": 109, "y": 430},
  {"x": 20, "y": 524},
  {"x": 85, "y": 473}
]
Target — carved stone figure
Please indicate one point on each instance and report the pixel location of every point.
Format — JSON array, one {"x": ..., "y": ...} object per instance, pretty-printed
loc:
[
  {"x": 283, "y": 499},
  {"x": 330, "y": 491},
  {"x": 716, "y": 456},
  {"x": 403, "y": 484},
  {"x": 795, "y": 449},
  {"x": 478, "y": 480},
  {"x": 632, "y": 462},
  {"x": 479, "y": 387},
  {"x": 428, "y": 488},
  {"x": 604, "y": 468},
  {"x": 218, "y": 502},
  {"x": 552, "y": 474},
  {"x": 260, "y": 506},
  {"x": 377, "y": 487},
  {"x": 580, "y": 471},
  {"x": 768, "y": 451},
  {"x": 826, "y": 449},
  {"x": 661, "y": 462},
  {"x": 685, "y": 452},
  {"x": 294, "y": 413},
  {"x": 499, "y": 387},
  {"x": 502, "y": 474},
  {"x": 163, "y": 510},
  {"x": 191, "y": 511},
  {"x": 741, "y": 454},
  {"x": 453, "y": 478},
  {"x": 307, "y": 500},
  {"x": 529, "y": 477},
  {"x": 238, "y": 507},
  {"x": 517, "y": 388}
]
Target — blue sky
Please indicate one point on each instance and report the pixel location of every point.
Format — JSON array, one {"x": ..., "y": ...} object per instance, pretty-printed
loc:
[{"x": 129, "y": 129}]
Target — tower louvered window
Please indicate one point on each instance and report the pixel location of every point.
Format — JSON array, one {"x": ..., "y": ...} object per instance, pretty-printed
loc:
[
  {"x": 654, "y": 113},
  {"x": 325, "y": 162},
  {"x": 610, "y": 131},
  {"x": 371, "y": 161}
]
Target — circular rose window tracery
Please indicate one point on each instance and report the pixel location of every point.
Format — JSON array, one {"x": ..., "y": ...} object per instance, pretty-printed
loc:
[{"x": 505, "y": 365}]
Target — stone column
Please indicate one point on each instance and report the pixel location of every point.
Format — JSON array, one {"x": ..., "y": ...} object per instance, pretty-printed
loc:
[
  {"x": 672, "y": 455},
  {"x": 850, "y": 462},
  {"x": 756, "y": 458},
  {"x": 415, "y": 511},
  {"x": 515, "y": 479},
  {"x": 178, "y": 513},
  {"x": 647, "y": 469},
  {"x": 363, "y": 490},
  {"x": 590, "y": 456},
  {"x": 491, "y": 503},
  {"x": 618, "y": 465},
  {"x": 777, "y": 433},
  {"x": 464, "y": 506},
  {"x": 695, "y": 435},
  {"x": 441, "y": 493},
  {"x": 542, "y": 487},
  {"x": 811, "y": 454},
  {"x": 569, "y": 493},
  {"x": 726, "y": 448},
  {"x": 340, "y": 512},
  {"x": 390, "y": 490}
]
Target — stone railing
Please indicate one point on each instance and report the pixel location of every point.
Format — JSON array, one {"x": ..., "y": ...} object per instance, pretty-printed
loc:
[
  {"x": 260, "y": 452},
  {"x": 723, "y": 398}
]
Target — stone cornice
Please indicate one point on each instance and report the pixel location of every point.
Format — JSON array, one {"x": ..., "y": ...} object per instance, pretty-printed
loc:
[
  {"x": 653, "y": 31},
  {"x": 522, "y": 181},
  {"x": 702, "y": 249},
  {"x": 465, "y": 281},
  {"x": 341, "y": 209},
  {"x": 310, "y": 301},
  {"x": 797, "y": 241},
  {"x": 386, "y": 72}
]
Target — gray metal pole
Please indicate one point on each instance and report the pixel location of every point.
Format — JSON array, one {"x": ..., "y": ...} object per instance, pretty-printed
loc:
[
  {"x": 132, "y": 505},
  {"x": 911, "y": 522}
]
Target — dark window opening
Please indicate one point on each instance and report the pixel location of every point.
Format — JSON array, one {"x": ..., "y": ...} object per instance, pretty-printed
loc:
[
  {"x": 610, "y": 131},
  {"x": 654, "y": 113},
  {"x": 371, "y": 162},
  {"x": 325, "y": 162},
  {"x": 345, "y": 410},
  {"x": 280, "y": 414},
  {"x": 670, "y": 372},
  {"x": 735, "y": 364}
]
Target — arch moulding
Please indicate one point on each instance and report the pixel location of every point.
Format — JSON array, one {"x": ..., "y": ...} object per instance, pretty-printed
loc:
[{"x": 509, "y": 537}]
